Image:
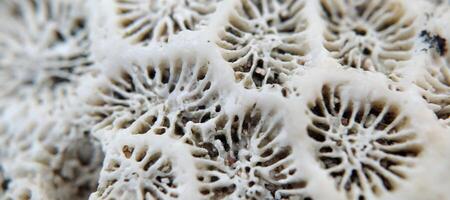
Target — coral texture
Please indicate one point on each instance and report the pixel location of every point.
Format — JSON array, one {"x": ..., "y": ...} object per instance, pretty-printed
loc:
[{"x": 224, "y": 99}]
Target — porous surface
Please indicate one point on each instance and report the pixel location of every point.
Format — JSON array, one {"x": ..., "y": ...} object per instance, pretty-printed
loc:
[{"x": 225, "y": 99}]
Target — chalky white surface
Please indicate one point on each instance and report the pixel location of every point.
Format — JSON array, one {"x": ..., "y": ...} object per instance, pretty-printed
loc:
[{"x": 225, "y": 99}]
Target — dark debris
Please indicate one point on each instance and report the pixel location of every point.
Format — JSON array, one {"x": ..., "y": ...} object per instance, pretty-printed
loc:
[{"x": 435, "y": 41}]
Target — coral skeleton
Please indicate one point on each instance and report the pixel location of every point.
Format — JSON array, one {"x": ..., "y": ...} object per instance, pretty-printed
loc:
[{"x": 224, "y": 99}]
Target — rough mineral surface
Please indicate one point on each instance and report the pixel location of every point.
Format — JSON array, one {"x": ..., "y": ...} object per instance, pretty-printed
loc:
[{"x": 225, "y": 99}]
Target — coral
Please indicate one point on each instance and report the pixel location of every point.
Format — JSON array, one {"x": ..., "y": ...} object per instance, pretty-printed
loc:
[
  {"x": 43, "y": 44},
  {"x": 145, "y": 21},
  {"x": 365, "y": 144},
  {"x": 244, "y": 158},
  {"x": 142, "y": 164},
  {"x": 372, "y": 35},
  {"x": 235, "y": 99},
  {"x": 145, "y": 93},
  {"x": 48, "y": 148},
  {"x": 435, "y": 87},
  {"x": 264, "y": 41}
]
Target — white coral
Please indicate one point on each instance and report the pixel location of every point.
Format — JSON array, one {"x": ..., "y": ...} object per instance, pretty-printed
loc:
[{"x": 236, "y": 99}]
